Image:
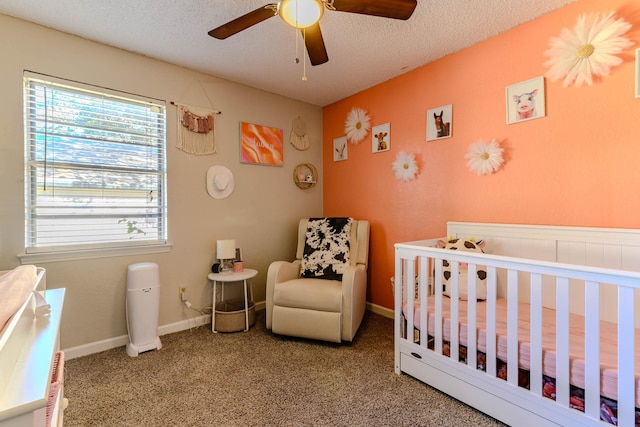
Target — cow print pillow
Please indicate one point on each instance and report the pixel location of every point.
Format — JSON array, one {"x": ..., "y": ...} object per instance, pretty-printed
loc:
[
  {"x": 481, "y": 271},
  {"x": 326, "y": 248}
]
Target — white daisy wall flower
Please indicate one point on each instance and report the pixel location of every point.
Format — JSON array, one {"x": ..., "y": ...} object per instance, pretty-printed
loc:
[
  {"x": 587, "y": 51},
  {"x": 405, "y": 166},
  {"x": 357, "y": 125},
  {"x": 484, "y": 157}
]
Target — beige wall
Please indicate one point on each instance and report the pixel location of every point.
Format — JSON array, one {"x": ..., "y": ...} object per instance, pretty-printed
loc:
[{"x": 261, "y": 214}]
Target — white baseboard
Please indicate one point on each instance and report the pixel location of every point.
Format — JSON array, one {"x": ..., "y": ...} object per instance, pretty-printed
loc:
[
  {"x": 123, "y": 340},
  {"x": 378, "y": 309},
  {"x": 95, "y": 347},
  {"x": 193, "y": 322}
]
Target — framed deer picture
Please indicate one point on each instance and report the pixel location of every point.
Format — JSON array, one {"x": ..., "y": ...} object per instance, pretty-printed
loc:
[
  {"x": 525, "y": 100},
  {"x": 340, "y": 151},
  {"x": 440, "y": 122}
]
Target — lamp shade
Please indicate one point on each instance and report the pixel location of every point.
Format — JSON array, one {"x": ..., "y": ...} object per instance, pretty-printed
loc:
[
  {"x": 226, "y": 249},
  {"x": 301, "y": 13}
]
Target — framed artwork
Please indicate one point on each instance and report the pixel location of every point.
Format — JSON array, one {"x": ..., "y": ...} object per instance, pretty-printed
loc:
[
  {"x": 260, "y": 145},
  {"x": 637, "y": 73},
  {"x": 440, "y": 122},
  {"x": 340, "y": 151},
  {"x": 525, "y": 100},
  {"x": 238, "y": 254},
  {"x": 381, "y": 138}
]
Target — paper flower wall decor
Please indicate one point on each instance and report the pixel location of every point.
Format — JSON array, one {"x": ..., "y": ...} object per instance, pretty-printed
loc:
[
  {"x": 588, "y": 51},
  {"x": 405, "y": 166},
  {"x": 357, "y": 125},
  {"x": 484, "y": 157}
]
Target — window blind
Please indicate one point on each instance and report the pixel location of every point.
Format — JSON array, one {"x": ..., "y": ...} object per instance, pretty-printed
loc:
[{"x": 95, "y": 172}]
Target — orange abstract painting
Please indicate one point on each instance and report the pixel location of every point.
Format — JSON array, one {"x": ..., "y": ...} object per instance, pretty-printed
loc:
[{"x": 261, "y": 145}]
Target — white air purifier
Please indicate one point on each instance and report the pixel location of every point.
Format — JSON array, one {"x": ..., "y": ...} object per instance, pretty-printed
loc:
[{"x": 143, "y": 307}]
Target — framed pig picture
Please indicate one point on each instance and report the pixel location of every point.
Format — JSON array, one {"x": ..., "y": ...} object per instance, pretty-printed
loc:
[{"x": 525, "y": 100}]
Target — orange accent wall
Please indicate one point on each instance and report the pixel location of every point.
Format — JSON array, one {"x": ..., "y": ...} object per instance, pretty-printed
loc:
[{"x": 578, "y": 166}]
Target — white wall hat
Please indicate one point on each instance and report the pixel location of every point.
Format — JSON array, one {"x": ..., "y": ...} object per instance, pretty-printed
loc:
[{"x": 219, "y": 182}]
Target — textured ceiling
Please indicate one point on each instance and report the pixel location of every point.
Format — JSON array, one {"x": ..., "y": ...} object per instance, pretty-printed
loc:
[{"x": 363, "y": 50}]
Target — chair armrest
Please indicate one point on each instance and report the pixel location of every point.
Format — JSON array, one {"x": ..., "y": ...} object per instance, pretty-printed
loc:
[
  {"x": 354, "y": 280},
  {"x": 354, "y": 299},
  {"x": 279, "y": 271}
]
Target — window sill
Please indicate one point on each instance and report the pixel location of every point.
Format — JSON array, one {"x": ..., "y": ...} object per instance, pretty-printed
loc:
[{"x": 37, "y": 258}]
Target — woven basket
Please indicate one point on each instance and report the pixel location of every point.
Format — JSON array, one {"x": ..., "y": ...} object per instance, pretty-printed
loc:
[{"x": 230, "y": 315}]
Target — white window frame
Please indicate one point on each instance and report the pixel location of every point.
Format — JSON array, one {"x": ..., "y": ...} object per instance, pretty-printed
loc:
[{"x": 133, "y": 244}]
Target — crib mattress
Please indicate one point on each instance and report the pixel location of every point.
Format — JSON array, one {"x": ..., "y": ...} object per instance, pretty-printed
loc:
[{"x": 608, "y": 341}]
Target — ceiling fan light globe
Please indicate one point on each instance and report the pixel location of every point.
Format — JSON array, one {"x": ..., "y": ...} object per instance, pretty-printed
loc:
[{"x": 300, "y": 13}]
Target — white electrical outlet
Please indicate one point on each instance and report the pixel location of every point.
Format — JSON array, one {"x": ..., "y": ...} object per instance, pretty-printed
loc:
[{"x": 182, "y": 292}]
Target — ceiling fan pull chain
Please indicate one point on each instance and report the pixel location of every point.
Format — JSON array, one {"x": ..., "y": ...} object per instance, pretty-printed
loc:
[
  {"x": 304, "y": 56},
  {"x": 295, "y": 34},
  {"x": 295, "y": 31}
]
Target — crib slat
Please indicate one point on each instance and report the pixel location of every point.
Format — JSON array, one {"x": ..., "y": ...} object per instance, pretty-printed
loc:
[
  {"x": 438, "y": 307},
  {"x": 397, "y": 319},
  {"x": 490, "y": 358},
  {"x": 454, "y": 323},
  {"x": 407, "y": 286},
  {"x": 592, "y": 349},
  {"x": 562, "y": 341},
  {"x": 512, "y": 327},
  {"x": 471, "y": 317},
  {"x": 423, "y": 268},
  {"x": 535, "y": 350},
  {"x": 626, "y": 347}
]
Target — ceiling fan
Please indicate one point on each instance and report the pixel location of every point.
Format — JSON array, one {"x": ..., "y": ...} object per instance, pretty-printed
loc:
[{"x": 306, "y": 14}]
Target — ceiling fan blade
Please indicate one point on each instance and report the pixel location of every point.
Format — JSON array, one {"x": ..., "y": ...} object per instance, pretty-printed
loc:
[
  {"x": 396, "y": 9},
  {"x": 244, "y": 22},
  {"x": 315, "y": 44}
]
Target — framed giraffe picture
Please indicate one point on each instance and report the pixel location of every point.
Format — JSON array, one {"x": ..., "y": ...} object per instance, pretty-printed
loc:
[{"x": 381, "y": 138}]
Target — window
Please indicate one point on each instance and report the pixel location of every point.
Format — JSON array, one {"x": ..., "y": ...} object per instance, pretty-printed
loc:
[{"x": 95, "y": 172}]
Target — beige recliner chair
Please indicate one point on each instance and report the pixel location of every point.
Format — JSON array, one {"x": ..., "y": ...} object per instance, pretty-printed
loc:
[{"x": 329, "y": 308}]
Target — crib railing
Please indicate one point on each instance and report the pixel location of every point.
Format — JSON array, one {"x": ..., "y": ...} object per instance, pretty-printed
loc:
[{"x": 421, "y": 263}]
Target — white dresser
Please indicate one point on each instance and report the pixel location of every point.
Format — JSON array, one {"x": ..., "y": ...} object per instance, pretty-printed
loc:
[{"x": 31, "y": 366}]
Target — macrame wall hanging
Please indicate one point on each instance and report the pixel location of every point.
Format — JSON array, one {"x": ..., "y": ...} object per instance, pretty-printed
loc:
[
  {"x": 196, "y": 130},
  {"x": 298, "y": 137}
]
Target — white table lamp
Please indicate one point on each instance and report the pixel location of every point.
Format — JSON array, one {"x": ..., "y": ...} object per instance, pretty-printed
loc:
[{"x": 226, "y": 253}]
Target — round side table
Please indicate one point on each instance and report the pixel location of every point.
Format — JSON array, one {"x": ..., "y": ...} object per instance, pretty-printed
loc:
[{"x": 224, "y": 278}]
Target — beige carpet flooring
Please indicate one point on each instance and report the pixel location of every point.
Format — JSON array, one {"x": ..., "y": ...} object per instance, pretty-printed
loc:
[{"x": 256, "y": 378}]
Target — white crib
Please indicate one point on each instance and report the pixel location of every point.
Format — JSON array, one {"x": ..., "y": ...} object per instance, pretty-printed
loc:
[{"x": 553, "y": 279}]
